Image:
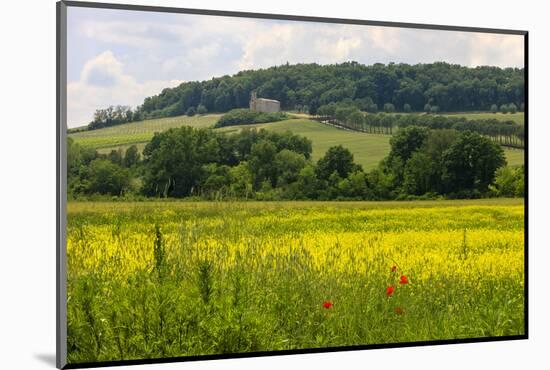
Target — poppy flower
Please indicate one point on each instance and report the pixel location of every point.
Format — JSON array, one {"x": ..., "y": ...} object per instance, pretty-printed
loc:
[
  {"x": 327, "y": 304},
  {"x": 393, "y": 268},
  {"x": 398, "y": 310},
  {"x": 403, "y": 280},
  {"x": 390, "y": 290}
]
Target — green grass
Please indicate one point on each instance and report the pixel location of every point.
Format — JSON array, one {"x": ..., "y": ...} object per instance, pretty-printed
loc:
[
  {"x": 368, "y": 149},
  {"x": 164, "y": 279},
  {"x": 514, "y": 157},
  {"x": 138, "y": 132},
  {"x": 518, "y": 117}
]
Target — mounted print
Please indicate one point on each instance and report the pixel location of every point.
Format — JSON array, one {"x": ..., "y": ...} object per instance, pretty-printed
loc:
[{"x": 238, "y": 184}]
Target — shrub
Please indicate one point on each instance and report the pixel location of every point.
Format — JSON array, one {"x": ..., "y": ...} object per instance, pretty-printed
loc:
[{"x": 247, "y": 117}]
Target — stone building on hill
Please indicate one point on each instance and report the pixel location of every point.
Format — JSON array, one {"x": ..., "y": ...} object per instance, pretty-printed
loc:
[{"x": 264, "y": 105}]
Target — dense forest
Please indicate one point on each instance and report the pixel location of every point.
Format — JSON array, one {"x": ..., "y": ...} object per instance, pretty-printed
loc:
[
  {"x": 305, "y": 87},
  {"x": 263, "y": 165}
]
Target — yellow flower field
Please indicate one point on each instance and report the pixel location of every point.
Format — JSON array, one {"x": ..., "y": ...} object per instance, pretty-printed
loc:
[{"x": 162, "y": 279}]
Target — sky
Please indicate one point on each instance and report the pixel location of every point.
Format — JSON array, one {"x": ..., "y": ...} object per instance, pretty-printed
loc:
[{"x": 119, "y": 57}]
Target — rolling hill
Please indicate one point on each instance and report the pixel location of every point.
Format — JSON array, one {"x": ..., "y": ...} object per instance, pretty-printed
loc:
[{"x": 368, "y": 149}]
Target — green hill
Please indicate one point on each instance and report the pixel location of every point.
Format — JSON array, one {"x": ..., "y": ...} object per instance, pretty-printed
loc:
[
  {"x": 138, "y": 132},
  {"x": 368, "y": 149}
]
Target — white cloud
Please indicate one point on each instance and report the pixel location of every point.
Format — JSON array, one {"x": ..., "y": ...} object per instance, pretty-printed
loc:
[{"x": 91, "y": 92}]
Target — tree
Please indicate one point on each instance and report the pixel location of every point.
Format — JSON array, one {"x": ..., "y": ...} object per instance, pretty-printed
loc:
[
  {"x": 190, "y": 112},
  {"x": 354, "y": 186},
  {"x": 261, "y": 163},
  {"x": 373, "y": 108},
  {"x": 217, "y": 179},
  {"x": 512, "y": 108},
  {"x": 116, "y": 156},
  {"x": 407, "y": 108},
  {"x": 494, "y": 108},
  {"x": 406, "y": 142},
  {"x": 427, "y": 108},
  {"x": 470, "y": 163},
  {"x": 131, "y": 157},
  {"x": 504, "y": 108},
  {"x": 107, "y": 178},
  {"x": 434, "y": 109},
  {"x": 201, "y": 109},
  {"x": 241, "y": 181},
  {"x": 337, "y": 159},
  {"x": 309, "y": 86},
  {"x": 288, "y": 165},
  {"x": 306, "y": 185},
  {"x": 419, "y": 173},
  {"x": 356, "y": 120},
  {"x": 174, "y": 160},
  {"x": 389, "y": 108},
  {"x": 509, "y": 182},
  {"x": 380, "y": 184}
]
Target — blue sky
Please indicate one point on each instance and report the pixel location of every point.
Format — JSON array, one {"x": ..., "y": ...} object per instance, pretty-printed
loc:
[{"x": 121, "y": 57}]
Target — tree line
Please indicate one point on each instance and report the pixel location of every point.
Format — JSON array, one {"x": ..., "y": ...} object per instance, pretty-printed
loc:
[
  {"x": 305, "y": 87},
  {"x": 506, "y": 133},
  {"x": 263, "y": 165}
]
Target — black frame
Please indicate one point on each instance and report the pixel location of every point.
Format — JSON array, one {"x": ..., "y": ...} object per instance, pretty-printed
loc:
[{"x": 61, "y": 102}]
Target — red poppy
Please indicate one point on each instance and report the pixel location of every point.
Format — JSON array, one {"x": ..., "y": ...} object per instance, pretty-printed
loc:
[
  {"x": 390, "y": 290},
  {"x": 327, "y": 304},
  {"x": 403, "y": 280},
  {"x": 398, "y": 310},
  {"x": 393, "y": 268}
]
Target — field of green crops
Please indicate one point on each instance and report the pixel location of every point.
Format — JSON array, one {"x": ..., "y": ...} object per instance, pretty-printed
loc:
[{"x": 163, "y": 279}]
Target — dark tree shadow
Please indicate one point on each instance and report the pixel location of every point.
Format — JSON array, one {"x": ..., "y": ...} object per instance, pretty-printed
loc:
[{"x": 47, "y": 358}]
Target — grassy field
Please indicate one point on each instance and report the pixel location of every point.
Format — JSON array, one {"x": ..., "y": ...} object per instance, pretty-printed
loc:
[
  {"x": 518, "y": 117},
  {"x": 514, "y": 157},
  {"x": 368, "y": 149},
  {"x": 138, "y": 132},
  {"x": 163, "y": 279}
]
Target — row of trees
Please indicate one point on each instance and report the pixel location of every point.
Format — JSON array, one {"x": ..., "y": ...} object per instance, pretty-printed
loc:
[
  {"x": 116, "y": 115},
  {"x": 263, "y": 165},
  {"x": 391, "y": 87},
  {"x": 506, "y": 133},
  {"x": 113, "y": 115}
]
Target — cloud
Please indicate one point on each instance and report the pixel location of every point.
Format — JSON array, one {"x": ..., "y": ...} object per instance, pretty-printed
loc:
[
  {"x": 103, "y": 82},
  {"x": 104, "y": 70}
]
